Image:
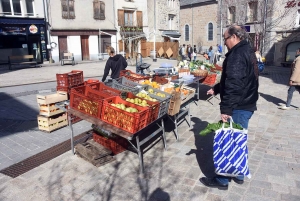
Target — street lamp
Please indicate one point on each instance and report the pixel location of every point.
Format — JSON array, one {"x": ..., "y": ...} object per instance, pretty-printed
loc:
[{"x": 154, "y": 51}]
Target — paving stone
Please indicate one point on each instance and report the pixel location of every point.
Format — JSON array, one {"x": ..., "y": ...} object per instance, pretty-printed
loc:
[{"x": 290, "y": 197}]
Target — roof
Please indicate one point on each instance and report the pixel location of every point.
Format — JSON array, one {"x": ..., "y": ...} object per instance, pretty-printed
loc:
[{"x": 190, "y": 2}]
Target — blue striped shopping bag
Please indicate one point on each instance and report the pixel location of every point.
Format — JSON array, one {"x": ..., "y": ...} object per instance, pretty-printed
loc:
[{"x": 231, "y": 152}]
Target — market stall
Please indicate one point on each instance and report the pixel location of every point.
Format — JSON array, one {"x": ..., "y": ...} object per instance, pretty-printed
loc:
[{"x": 129, "y": 112}]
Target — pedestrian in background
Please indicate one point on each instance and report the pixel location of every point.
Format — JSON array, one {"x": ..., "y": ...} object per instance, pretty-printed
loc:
[
  {"x": 115, "y": 63},
  {"x": 195, "y": 52},
  {"x": 238, "y": 89},
  {"x": 294, "y": 81},
  {"x": 210, "y": 53},
  {"x": 190, "y": 52},
  {"x": 220, "y": 50},
  {"x": 183, "y": 51}
]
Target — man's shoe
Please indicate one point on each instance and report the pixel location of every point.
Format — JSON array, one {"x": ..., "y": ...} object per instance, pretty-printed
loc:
[
  {"x": 213, "y": 183},
  {"x": 284, "y": 107},
  {"x": 238, "y": 181}
]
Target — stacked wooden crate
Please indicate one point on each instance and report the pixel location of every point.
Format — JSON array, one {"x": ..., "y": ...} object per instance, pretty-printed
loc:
[{"x": 50, "y": 117}]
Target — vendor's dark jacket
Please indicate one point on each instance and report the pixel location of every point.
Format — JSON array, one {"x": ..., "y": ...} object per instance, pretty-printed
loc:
[
  {"x": 116, "y": 64},
  {"x": 238, "y": 86}
]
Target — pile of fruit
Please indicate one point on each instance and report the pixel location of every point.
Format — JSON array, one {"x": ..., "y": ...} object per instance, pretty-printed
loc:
[
  {"x": 123, "y": 107},
  {"x": 146, "y": 96},
  {"x": 177, "y": 89},
  {"x": 138, "y": 101},
  {"x": 151, "y": 91},
  {"x": 90, "y": 107},
  {"x": 152, "y": 84}
]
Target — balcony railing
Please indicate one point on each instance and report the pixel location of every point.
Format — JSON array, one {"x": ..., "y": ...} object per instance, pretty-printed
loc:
[{"x": 131, "y": 29}]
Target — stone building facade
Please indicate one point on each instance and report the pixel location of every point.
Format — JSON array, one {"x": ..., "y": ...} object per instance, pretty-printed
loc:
[
  {"x": 198, "y": 23},
  {"x": 272, "y": 26},
  {"x": 166, "y": 18}
]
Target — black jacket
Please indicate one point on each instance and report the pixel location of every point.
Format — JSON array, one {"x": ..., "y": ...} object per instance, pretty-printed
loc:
[
  {"x": 238, "y": 87},
  {"x": 116, "y": 64}
]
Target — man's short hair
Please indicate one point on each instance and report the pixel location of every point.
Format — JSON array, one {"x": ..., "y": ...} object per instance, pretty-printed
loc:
[{"x": 239, "y": 31}]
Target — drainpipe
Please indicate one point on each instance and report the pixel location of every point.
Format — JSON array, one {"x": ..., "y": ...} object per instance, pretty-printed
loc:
[
  {"x": 221, "y": 26},
  {"x": 192, "y": 24},
  {"x": 154, "y": 57},
  {"x": 264, "y": 30},
  {"x": 117, "y": 50}
]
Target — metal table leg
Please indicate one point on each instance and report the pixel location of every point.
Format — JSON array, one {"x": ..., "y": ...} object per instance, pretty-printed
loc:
[
  {"x": 176, "y": 127},
  {"x": 198, "y": 89},
  {"x": 189, "y": 114},
  {"x": 140, "y": 154},
  {"x": 164, "y": 134},
  {"x": 72, "y": 134}
]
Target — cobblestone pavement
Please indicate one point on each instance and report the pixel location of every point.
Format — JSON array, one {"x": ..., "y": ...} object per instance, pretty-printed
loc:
[{"x": 173, "y": 174}]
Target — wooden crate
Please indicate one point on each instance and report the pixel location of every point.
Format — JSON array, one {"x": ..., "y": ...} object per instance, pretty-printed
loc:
[
  {"x": 49, "y": 110},
  {"x": 52, "y": 98},
  {"x": 175, "y": 103},
  {"x": 185, "y": 98},
  {"x": 51, "y": 124}
]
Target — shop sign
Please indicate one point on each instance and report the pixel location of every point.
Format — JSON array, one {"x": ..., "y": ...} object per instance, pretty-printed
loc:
[
  {"x": 12, "y": 30},
  {"x": 33, "y": 29}
]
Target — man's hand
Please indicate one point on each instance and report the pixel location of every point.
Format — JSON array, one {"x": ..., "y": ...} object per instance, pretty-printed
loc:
[
  {"x": 224, "y": 117},
  {"x": 210, "y": 92},
  {"x": 290, "y": 83}
]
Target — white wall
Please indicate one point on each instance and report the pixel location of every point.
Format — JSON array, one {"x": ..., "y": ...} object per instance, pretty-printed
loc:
[
  {"x": 74, "y": 46},
  {"x": 93, "y": 47}
]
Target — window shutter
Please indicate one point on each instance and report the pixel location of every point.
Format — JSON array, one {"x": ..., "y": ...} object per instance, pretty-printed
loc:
[
  {"x": 64, "y": 9},
  {"x": 96, "y": 9},
  {"x": 102, "y": 10},
  {"x": 139, "y": 17},
  {"x": 120, "y": 17},
  {"x": 71, "y": 9}
]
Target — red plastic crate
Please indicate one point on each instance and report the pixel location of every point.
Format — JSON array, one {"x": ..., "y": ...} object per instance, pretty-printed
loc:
[
  {"x": 153, "y": 108},
  {"x": 210, "y": 79},
  {"x": 84, "y": 100},
  {"x": 91, "y": 82},
  {"x": 71, "y": 79},
  {"x": 116, "y": 144},
  {"x": 102, "y": 88},
  {"x": 130, "y": 122},
  {"x": 133, "y": 76}
]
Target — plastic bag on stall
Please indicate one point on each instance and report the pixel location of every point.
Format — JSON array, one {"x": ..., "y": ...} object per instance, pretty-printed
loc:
[{"x": 231, "y": 152}]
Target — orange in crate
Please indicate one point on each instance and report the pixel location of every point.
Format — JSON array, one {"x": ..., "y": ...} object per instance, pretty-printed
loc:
[{"x": 125, "y": 120}]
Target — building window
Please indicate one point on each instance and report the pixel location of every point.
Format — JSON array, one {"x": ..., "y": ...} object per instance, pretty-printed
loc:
[
  {"x": 171, "y": 20},
  {"x": 11, "y": 7},
  {"x": 30, "y": 7},
  {"x": 252, "y": 11},
  {"x": 297, "y": 24},
  {"x": 68, "y": 11},
  {"x": 99, "y": 10},
  {"x": 187, "y": 32},
  {"x": 231, "y": 15},
  {"x": 210, "y": 31},
  {"x": 291, "y": 49},
  {"x": 128, "y": 18}
]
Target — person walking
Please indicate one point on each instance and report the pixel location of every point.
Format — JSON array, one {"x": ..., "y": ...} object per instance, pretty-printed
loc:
[
  {"x": 195, "y": 52},
  {"x": 190, "y": 52},
  {"x": 238, "y": 89},
  {"x": 294, "y": 81},
  {"x": 183, "y": 52},
  {"x": 210, "y": 53},
  {"x": 220, "y": 49},
  {"x": 115, "y": 63}
]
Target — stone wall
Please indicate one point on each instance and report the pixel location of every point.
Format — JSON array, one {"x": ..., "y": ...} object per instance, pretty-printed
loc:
[{"x": 198, "y": 18}]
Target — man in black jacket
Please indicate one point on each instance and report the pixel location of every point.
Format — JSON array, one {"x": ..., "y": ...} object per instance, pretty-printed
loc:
[
  {"x": 115, "y": 62},
  {"x": 238, "y": 88}
]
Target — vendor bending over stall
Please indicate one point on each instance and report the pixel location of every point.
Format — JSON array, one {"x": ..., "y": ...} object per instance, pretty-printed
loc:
[{"x": 115, "y": 62}]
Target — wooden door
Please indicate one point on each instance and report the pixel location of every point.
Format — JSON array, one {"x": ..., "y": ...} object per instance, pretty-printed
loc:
[
  {"x": 62, "y": 46},
  {"x": 85, "y": 47}
]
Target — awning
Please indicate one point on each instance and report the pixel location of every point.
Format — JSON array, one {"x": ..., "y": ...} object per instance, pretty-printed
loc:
[
  {"x": 22, "y": 21},
  {"x": 173, "y": 35}
]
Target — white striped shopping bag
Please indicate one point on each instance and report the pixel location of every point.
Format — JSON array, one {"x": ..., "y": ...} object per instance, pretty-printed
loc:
[{"x": 231, "y": 152}]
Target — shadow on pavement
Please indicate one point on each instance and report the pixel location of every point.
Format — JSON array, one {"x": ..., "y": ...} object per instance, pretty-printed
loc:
[
  {"x": 204, "y": 151},
  {"x": 272, "y": 99},
  {"x": 15, "y": 116}
]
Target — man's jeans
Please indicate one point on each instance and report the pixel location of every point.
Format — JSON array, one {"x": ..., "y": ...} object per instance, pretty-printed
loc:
[
  {"x": 290, "y": 94},
  {"x": 241, "y": 117}
]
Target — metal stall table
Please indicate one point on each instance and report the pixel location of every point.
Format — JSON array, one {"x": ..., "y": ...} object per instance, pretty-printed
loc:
[{"x": 121, "y": 132}]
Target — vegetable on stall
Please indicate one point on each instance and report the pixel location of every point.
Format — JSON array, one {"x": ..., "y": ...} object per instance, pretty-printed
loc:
[{"x": 215, "y": 126}]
